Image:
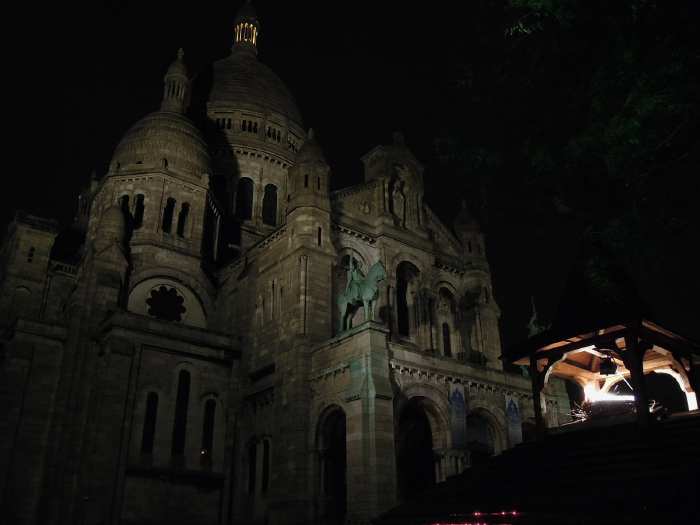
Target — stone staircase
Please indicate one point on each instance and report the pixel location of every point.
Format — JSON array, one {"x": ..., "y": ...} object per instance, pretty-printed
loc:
[{"x": 608, "y": 474}]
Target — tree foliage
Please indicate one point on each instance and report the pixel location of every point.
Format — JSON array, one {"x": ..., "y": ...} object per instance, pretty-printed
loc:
[{"x": 596, "y": 109}]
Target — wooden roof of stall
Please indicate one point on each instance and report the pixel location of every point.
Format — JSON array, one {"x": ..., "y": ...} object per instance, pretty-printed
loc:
[{"x": 579, "y": 356}]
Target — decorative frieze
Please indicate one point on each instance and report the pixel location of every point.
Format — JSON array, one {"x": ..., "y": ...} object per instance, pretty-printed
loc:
[{"x": 472, "y": 385}]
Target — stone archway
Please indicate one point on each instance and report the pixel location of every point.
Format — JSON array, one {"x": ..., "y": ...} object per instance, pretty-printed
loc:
[
  {"x": 481, "y": 438},
  {"x": 485, "y": 433},
  {"x": 332, "y": 473},
  {"x": 415, "y": 459}
]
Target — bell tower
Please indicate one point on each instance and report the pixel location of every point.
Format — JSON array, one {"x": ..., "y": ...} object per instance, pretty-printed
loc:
[{"x": 480, "y": 312}]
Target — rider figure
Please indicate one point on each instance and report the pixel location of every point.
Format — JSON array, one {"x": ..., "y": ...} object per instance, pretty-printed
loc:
[{"x": 354, "y": 275}]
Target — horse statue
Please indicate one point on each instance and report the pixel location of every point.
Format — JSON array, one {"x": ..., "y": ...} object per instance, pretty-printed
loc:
[{"x": 360, "y": 291}]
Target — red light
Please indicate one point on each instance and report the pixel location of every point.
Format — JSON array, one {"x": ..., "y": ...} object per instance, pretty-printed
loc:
[
  {"x": 477, "y": 513},
  {"x": 514, "y": 513}
]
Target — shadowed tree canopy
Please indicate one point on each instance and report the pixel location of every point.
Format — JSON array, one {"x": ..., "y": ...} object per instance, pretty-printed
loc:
[{"x": 588, "y": 112}]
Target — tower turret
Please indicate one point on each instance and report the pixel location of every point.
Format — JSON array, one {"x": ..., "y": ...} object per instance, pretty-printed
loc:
[
  {"x": 176, "y": 89},
  {"x": 308, "y": 205},
  {"x": 480, "y": 312},
  {"x": 469, "y": 233},
  {"x": 309, "y": 178}
]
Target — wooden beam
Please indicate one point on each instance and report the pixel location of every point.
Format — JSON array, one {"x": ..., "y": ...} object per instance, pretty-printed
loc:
[{"x": 570, "y": 346}]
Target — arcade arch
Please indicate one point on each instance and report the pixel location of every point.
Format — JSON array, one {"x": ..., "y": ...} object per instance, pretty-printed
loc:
[
  {"x": 421, "y": 434},
  {"x": 332, "y": 465}
]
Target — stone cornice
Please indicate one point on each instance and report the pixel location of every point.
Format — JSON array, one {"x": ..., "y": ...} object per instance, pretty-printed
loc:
[
  {"x": 366, "y": 237},
  {"x": 441, "y": 377},
  {"x": 141, "y": 175},
  {"x": 357, "y": 188},
  {"x": 330, "y": 372}
]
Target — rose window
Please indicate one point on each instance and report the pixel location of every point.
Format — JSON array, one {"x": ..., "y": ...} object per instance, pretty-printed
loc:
[{"x": 166, "y": 304}]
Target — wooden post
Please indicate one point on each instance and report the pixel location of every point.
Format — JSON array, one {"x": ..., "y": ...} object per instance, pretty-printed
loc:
[
  {"x": 633, "y": 357},
  {"x": 537, "y": 384}
]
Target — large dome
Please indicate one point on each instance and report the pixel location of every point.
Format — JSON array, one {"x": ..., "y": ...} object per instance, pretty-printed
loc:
[
  {"x": 243, "y": 82},
  {"x": 163, "y": 139}
]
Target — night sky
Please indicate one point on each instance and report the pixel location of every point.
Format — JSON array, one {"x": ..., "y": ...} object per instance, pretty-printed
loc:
[{"x": 358, "y": 72}]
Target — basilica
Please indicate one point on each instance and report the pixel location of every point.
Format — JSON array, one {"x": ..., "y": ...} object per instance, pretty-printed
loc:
[{"x": 236, "y": 343}]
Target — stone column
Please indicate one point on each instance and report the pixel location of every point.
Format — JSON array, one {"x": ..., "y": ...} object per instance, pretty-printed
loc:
[
  {"x": 433, "y": 316},
  {"x": 371, "y": 469}
]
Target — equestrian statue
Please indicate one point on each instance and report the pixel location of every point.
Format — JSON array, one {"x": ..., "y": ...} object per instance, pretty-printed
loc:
[{"x": 360, "y": 291}]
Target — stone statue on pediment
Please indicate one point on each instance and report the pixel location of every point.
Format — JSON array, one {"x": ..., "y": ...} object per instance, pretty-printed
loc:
[{"x": 398, "y": 198}]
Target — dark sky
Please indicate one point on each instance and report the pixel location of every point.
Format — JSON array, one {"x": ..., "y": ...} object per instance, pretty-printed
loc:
[{"x": 359, "y": 71}]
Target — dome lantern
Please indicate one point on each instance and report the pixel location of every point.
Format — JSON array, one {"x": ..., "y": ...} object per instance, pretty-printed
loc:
[
  {"x": 246, "y": 29},
  {"x": 176, "y": 86}
]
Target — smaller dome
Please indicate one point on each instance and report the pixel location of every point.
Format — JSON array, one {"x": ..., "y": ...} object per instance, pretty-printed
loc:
[
  {"x": 178, "y": 66},
  {"x": 163, "y": 140},
  {"x": 311, "y": 151},
  {"x": 112, "y": 225}
]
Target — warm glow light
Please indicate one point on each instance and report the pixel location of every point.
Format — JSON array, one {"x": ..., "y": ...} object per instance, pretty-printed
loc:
[{"x": 593, "y": 394}]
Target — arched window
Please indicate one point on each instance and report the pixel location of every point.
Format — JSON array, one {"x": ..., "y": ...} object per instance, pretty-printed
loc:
[
  {"x": 208, "y": 433},
  {"x": 21, "y": 300},
  {"x": 124, "y": 203},
  {"x": 244, "y": 199},
  {"x": 252, "y": 466},
  {"x": 149, "y": 423},
  {"x": 30, "y": 254},
  {"x": 138, "y": 212},
  {"x": 182, "y": 219},
  {"x": 306, "y": 181},
  {"x": 168, "y": 213},
  {"x": 180, "y": 421},
  {"x": 406, "y": 275},
  {"x": 446, "y": 343},
  {"x": 446, "y": 310},
  {"x": 266, "y": 466},
  {"x": 402, "y": 305},
  {"x": 270, "y": 205}
]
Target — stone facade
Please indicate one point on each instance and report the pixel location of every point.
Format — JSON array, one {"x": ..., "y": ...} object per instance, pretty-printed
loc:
[{"x": 192, "y": 366}]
